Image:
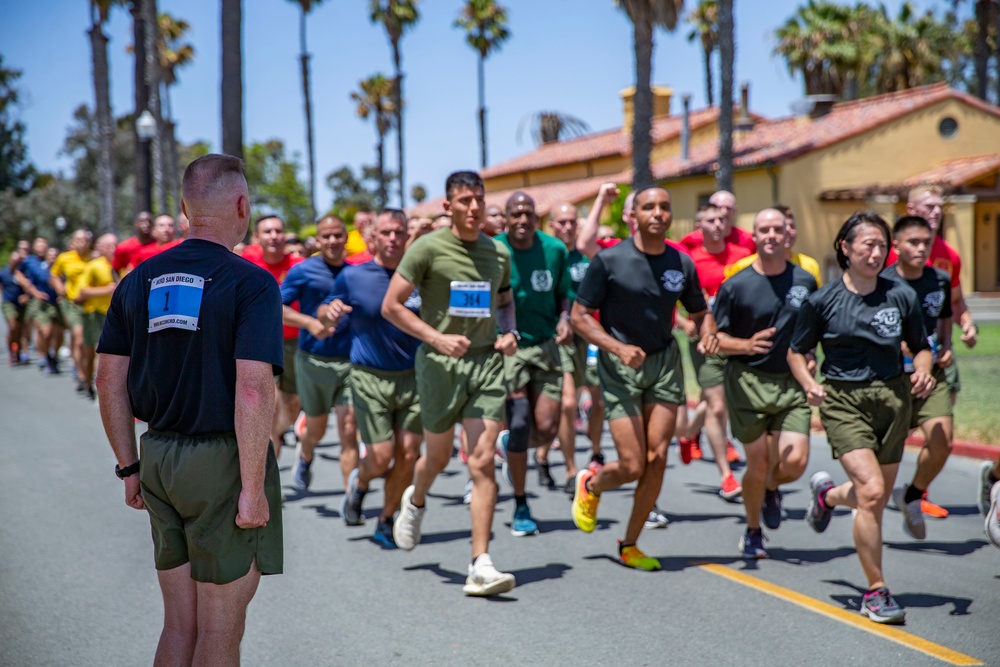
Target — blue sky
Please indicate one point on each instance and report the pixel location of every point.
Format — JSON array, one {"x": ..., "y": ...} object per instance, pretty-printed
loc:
[{"x": 572, "y": 56}]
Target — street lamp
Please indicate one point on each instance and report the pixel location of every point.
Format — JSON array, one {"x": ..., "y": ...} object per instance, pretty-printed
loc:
[{"x": 145, "y": 129}]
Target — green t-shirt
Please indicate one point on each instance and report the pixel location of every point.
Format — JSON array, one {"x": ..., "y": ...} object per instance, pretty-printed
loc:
[
  {"x": 578, "y": 263},
  {"x": 540, "y": 281},
  {"x": 458, "y": 283}
]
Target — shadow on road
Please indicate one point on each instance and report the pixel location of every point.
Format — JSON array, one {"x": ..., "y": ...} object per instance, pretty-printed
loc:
[
  {"x": 808, "y": 557},
  {"x": 941, "y": 548},
  {"x": 960, "y": 606},
  {"x": 674, "y": 563}
]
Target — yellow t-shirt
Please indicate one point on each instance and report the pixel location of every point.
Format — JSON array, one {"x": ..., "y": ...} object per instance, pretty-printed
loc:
[
  {"x": 807, "y": 263},
  {"x": 355, "y": 243},
  {"x": 97, "y": 274},
  {"x": 70, "y": 266}
]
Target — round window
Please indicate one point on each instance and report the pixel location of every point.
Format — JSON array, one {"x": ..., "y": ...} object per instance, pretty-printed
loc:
[{"x": 948, "y": 127}]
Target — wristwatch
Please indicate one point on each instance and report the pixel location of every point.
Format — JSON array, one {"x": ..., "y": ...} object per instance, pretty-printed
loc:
[
  {"x": 127, "y": 471},
  {"x": 515, "y": 333}
]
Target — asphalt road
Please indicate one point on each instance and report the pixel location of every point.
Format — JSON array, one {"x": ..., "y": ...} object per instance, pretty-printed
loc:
[{"x": 77, "y": 585}]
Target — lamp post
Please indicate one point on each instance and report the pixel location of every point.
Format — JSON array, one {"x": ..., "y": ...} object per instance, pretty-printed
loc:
[{"x": 145, "y": 129}]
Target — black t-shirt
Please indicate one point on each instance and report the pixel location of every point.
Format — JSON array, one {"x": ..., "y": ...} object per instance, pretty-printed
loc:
[
  {"x": 185, "y": 317},
  {"x": 636, "y": 293},
  {"x": 861, "y": 335},
  {"x": 933, "y": 290},
  {"x": 750, "y": 302}
]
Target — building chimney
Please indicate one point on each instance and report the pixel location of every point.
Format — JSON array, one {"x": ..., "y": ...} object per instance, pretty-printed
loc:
[
  {"x": 661, "y": 105},
  {"x": 686, "y": 128},
  {"x": 744, "y": 122},
  {"x": 814, "y": 106}
]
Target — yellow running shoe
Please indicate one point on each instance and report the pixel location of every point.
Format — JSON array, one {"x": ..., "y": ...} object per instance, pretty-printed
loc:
[
  {"x": 632, "y": 556},
  {"x": 585, "y": 503}
]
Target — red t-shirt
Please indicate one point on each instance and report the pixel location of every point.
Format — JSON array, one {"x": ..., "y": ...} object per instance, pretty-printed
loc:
[
  {"x": 359, "y": 258},
  {"x": 152, "y": 250},
  {"x": 279, "y": 270},
  {"x": 942, "y": 256},
  {"x": 736, "y": 237},
  {"x": 711, "y": 268},
  {"x": 126, "y": 251}
]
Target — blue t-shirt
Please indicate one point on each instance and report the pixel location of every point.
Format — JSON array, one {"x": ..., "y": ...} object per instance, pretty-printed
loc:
[
  {"x": 37, "y": 271},
  {"x": 185, "y": 317},
  {"x": 377, "y": 342},
  {"x": 309, "y": 282},
  {"x": 11, "y": 288}
]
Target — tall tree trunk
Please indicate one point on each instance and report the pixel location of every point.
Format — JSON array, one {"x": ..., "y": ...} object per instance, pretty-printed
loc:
[
  {"x": 232, "y": 78},
  {"x": 105, "y": 130},
  {"x": 397, "y": 93},
  {"x": 307, "y": 101},
  {"x": 981, "y": 49},
  {"x": 709, "y": 84},
  {"x": 380, "y": 151},
  {"x": 727, "y": 56},
  {"x": 482, "y": 113},
  {"x": 996, "y": 44},
  {"x": 143, "y": 188},
  {"x": 171, "y": 170},
  {"x": 152, "y": 54},
  {"x": 642, "y": 107}
]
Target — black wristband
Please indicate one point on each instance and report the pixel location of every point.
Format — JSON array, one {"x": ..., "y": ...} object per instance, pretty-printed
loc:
[{"x": 127, "y": 471}]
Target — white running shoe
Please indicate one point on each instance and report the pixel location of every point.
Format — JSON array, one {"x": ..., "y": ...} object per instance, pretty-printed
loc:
[
  {"x": 993, "y": 518},
  {"x": 484, "y": 579},
  {"x": 406, "y": 529},
  {"x": 983, "y": 497}
]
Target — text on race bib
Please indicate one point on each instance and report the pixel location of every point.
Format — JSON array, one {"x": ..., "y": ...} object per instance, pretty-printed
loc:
[
  {"x": 175, "y": 302},
  {"x": 469, "y": 299}
]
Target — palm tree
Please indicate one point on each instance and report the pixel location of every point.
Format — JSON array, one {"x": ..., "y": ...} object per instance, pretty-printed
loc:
[
  {"x": 914, "y": 49},
  {"x": 151, "y": 54},
  {"x": 232, "y": 77},
  {"x": 375, "y": 98},
  {"x": 99, "y": 11},
  {"x": 174, "y": 54},
  {"x": 140, "y": 148},
  {"x": 727, "y": 57},
  {"x": 704, "y": 20},
  {"x": 485, "y": 24},
  {"x": 549, "y": 127},
  {"x": 645, "y": 15},
  {"x": 419, "y": 193},
  {"x": 306, "y": 6},
  {"x": 396, "y": 16}
]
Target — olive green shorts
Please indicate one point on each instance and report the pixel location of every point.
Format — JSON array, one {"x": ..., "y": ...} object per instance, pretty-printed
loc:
[
  {"x": 867, "y": 415},
  {"x": 385, "y": 401},
  {"x": 92, "y": 325},
  {"x": 951, "y": 376},
  {"x": 451, "y": 390},
  {"x": 44, "y": 312},
  {"x": 288, "y": 382},
  {"x": 574, "y": 360},
  {"x": 323, "y": 382},
  {"x": 660, "y": 379},
  {"x": 938, "y": 404},
  {"x": 539, "y": 368},
  {"x": 72, "y": 313},
  {"x": 709, "y": 370},
  {"x": 762, "y": 403},
  {"x": 191, "y": 487},
  {"x": 12, "y": 311}
]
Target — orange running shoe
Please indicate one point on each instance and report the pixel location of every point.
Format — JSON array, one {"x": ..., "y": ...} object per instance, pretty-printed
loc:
[
  {"x": 687, "y": 446},
  {"x": 932, "y": 510},
  {"x": 632, "y": 556},
  {"x": 732, "y": 455},
  {"x": 585, "y": 503},
  {"x": 731, "y": 489}
]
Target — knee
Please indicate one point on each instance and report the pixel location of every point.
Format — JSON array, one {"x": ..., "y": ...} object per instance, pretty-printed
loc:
[
  {"x": 546, "y": 429},
  {"x": 518, "y": 424},
  {"x": 657, "y": 460},
  {"x": 870, "y": 495},
  {"x": 795, "y": 463},
  {"x": 630, "y": 469},
  {"x": 756, "y": 462},
  {"x": 568, "y": 406}
]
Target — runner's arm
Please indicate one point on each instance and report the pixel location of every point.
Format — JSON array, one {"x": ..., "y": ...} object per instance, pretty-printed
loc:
[
  {"x": 254, "y": 409},
  {"x": 962, "y": 316},
  {"x": 799, "y": 366},
  {"x": 57, "y": 284},
  {"x": 759, "y": 343},
  {"x": 586, "y": 235},
  {"x": 587, "y": 326},
  {"x": 119, "y": 423},
  {"x": 293, "y": 318}
]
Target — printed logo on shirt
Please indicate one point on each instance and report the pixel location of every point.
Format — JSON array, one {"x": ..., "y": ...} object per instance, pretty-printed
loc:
[
  {"x": 541, "y": 281},
  {"x": 797, "y": 295},
  {"x": 888, "y": 323},
  {"x": 578, "y": 271},
  {"x": 673, "y": 281},
  {"x": 933, "y": 303}
]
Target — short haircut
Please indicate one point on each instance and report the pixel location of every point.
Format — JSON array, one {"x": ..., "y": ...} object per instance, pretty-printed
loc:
[
  {"x": 909, "y": 221},
  {"x": 329, "y": 218},
  {"x": 647, "y": 189},
  {"x": 395, "y": 213},
  {"x": 923, "y": 189},
  {"x": 784, "y": 210},
  {"x": 519, "y": 194},
  {"x": 210, "y": 171},
  {"x": 459, "y": 179},
  {"x": 268, "y": 216},
  {"x": 849, "y": 231}
]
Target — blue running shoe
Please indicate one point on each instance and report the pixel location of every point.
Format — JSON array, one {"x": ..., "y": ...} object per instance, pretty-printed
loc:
[
  {"x": 302, "y": 476},
  {"x": 752, "y": 545},
  {"x": 523, "y": 524},
  {"x": 383, "y": 535},
  {"x": 771, "y": 510}
]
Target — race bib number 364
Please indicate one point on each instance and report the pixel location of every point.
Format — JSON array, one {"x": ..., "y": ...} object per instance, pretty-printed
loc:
[
  {"x": 175, "y": 302},
  {"x": 469, "y": 299}
]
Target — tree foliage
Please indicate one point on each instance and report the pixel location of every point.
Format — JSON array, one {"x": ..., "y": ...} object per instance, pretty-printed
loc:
[
  {"x": 352, "y": 193},
  {"x": 16, "y": 170},
  {"x": 274, "y": 184}
]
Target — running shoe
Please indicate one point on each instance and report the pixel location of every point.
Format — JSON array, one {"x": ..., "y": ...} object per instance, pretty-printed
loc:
[
  {"x": 751, "y": 545},
  {"x": 544, "y": 475},
  {"x": 984, "y": 487},
  {"x": 596, "y": 461},
  {"x": 696, "y": 453},
  {"x": 350, "y": 505},
  {"x": 933, "y": 510},
  {"x": 632, "y": 556},
  {"x": 299, "y": 429},
  {"x": 771, "y": 509},
  {"x": 656, "y": 519},
  {"x": 686, "y": 445},
  {"x": 467, "y": 496},
  {"x": 485, "y": 580},
  {"x": 879, "y": 606},
  {"x": 570, "y": 485},
  {"x": 731, "y": 489},
  {"x": 462, "y": 454},
  {"x": 383, "y": 534},
  {"x": 303, "y": 475},
  {"x": 732, "y": 455},
  {"x": 585, "y": 503},
  {"x": 523, "y": 524},
  {"x": 992, "y": 524},
  {"x": 406, "y": 528},
  {"x": 818, "y": 515},
  {"x": 913, "y": 518},
  {"x": 501, "y": 450}
]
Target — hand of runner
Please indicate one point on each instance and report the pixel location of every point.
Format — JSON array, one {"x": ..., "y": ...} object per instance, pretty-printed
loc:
[
  {"x": 451, "y": 345},
  {"x": 564, "y": 332},
  {"x": 319, "y": 330},
  {"x": 608, "y": 193},
  {"x": 133, "y": 493},
  {"x": 815, "y": 394},
  {"x": 923, "y": 384},
  {"x": 506, "y": 344},
  {"x": 760, "y": 342},
  {"x": 811, "y": 364},
  {"x": 252, "y": 509},
  {"x": 709, "y": 344},
  {"x": 631, "y": 355},
  {"x": 946, "y": 358},
  {"x": 970, "y": 333},
  {"x": 335, "y": 310}
]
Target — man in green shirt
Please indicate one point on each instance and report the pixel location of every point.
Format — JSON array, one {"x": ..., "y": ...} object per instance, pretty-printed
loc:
[
  {"x": 540, "y": 283},
  {"x": 463, "y": 277}
]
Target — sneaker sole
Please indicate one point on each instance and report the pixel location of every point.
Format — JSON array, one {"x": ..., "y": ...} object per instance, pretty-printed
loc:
[
  {"x": 576, "y": 494},
  {"x": 501, "y": 585},
  {"x": 885, "y": 620},
  {"x": 523, "y": 533},
  {"x": 994, "y": 534},
  {"x": 405, "y": 501}
]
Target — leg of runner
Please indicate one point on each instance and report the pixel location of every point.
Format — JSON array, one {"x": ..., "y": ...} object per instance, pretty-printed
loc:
[
  {"x": 938, "y": 435},
  {"x": 315, "y": 429},
  {"x": 715, "y": 429},
  {"x": 595, "y": 424},
  {"x": 286, "y": 409},
  {"x": 440, "y": 446},
  {"x": 567, "y": 431},
  {"x": 347, "y": 430}
]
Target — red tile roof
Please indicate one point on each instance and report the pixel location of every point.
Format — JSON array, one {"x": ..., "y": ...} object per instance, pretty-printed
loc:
[{"x": 950, "y": 175}]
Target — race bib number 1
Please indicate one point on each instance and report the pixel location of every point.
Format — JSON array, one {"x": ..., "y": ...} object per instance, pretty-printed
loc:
[
  {"x": 469, "y": 299},
  {"x": 175, "y": 302}
]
